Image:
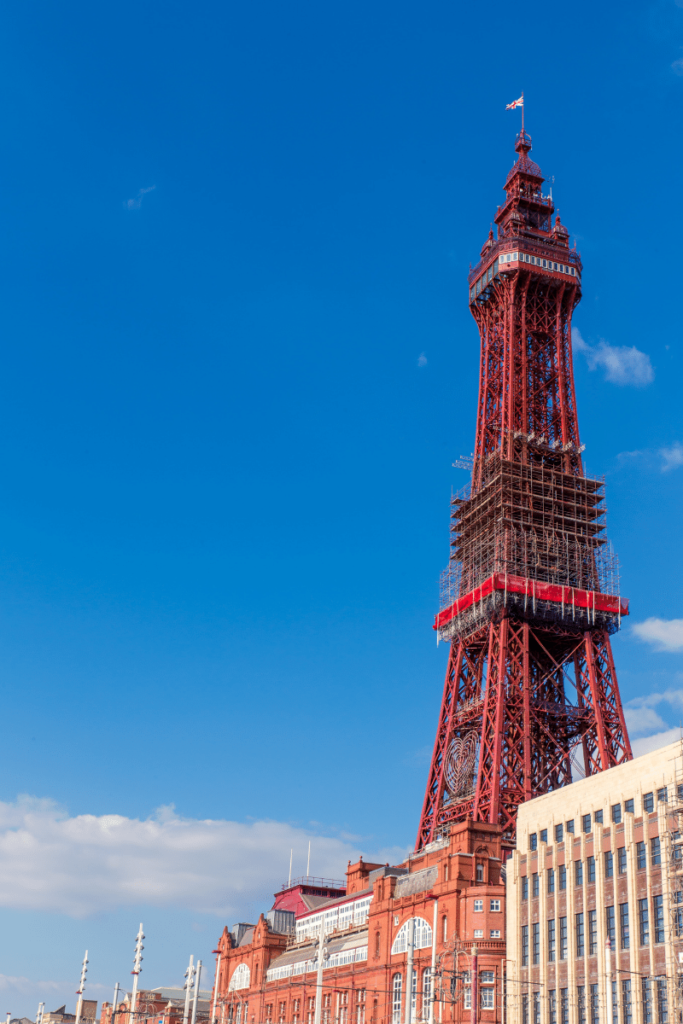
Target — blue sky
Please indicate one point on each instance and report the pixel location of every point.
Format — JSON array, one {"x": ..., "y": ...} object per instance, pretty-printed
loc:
[{"x": 237, "y": 364}]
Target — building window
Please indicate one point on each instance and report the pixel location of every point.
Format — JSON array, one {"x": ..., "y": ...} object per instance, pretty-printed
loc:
[
  {"x": 544, "y": 835},
  {"x": 647, "y": 1000},
  {"x": 627, "y": 1015},
  {"x": 564, "y": 1006},
  {"x": 241, "y": 978},
  {"x": 360, "y": 1006},
  {"x": 648, "y": 802},
  {"x": 525, "y": 945},
  {"x": 327, "y": 1008},
  {"x": 615, "y": 1003},
  {"x": 655, "y": 851},
  {"x": 525, "y": 1008},
  {"x": 578, "y": 872},
  {"x": 422, "y": 936},
  {"x": 586, "y": 822},
  {"x": 590, "y": 868},
  {"x": 487, "y": 998},
  {"x": 238, "y": 1015},
  {"x": 581, "y": 1001},
  {"x": 658, "y": 918},
  {"x": 269, "y": 1013},
  {"x": 480, "y": 872},
  {"x": 495, "y": 933},
  {"x": 623, "y": 926},
  {"x": 552, "y": 1007},
  {"x": 533, "y": 841},
  {"x": 551, "y": 941},
  {"x": 592, "y": 932},
  {"x": 536, "y": 942},
  {"x": 628, "y": 807},
  {"x": 551, "y": 880},
  {"x": 616, "y": 813},
  {"x": 563, "y": 876},
  {"x": 643, "y": 922},
  {"x": 445, "y": 928},
  {"x": 663, "y": 795},
  {"x": 537, "y": 1007},
  {"x": 479, "y": 933},
  {"x": 662, "y": 1002},
  {"x": 282, "y": 1016},
  {"x": 621, "y": 855},
  {"x": 467, "y": 991},
  {"x": 569, "y": 825},
  {"x": 609, "y": 925},
  {"x": 310, "y": 1011},
  {"x": 580, "y": 943},
  {"x": 597, "y": 817},
  {"x": 563, "y": 938},
  {"x": 396, "y": 992},
  {"x": 296, "y": 1011},
  {"x": 413, "y": 995},
  {"x": 640, "y": 856},
  {"x": 495, "y": 906},
  {"x": 478, "y": 907},
  {"x": 525, "y": 887},
  {"x": 559, "y": 829},
  {"x": 376, "y": 943},
  {"x": 609, "y": 864},
  {"x": 534, "y": 885}
]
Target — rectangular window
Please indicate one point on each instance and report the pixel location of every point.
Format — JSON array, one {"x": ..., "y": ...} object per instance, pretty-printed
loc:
[
  {"x": 534, "y": 885},
  {"x": 595, "y": 1011},
  {"x": 569, "y": 825},
  {"x": 580, "y": 943},
  {"x": 621, "y": 855},
  {"x": 495, "y": 933},
  {"x": 647, "y": 1000},
  {"x": 559, "y": 836},
  {"x": 478, "y": 906},
  {"x": 578, "y": 872},
  {"x": 623, "y": 926},
  {"x": 586, "y": 822},
  {"x": 552, "y": 1007},
  {"x": 487, "y": 998},
  {"x": 551, "y": 880},
  {"x": 564, "y": 1006},
  {"x": 598, "y": 817},
  {"x": 628, "y": 807},
  {"x": 627, "y": 1015},
  {"x": 525, "y": 945},
  {"x": 615, "y": 1003},
  {"x": 533, "y": 841},
  {"x": 525, "y": 1008},
  {"x": 648, "y": 802},
  {"x": 663, "y": 795},
  {"x": 655, "y": 851},
  {"x": 643, "y": 923},
  {"x": 609, "y": 864},
  {"x": 658, "y": 908},
  {"x": 479, "y": 933},
  {"x": 544, "y": 835},
  {"x": 640, "y": 856},
  {"x": 563, "y": 938},
  {"x": 662, "y": 1002},
  {"x": 616, "y": 813},
  {"x": 495, "y": 906},
  {"x": 537, "y": 1008},
  {"x": 551, "y": 941},
  {"x": 590, "y": 868},
  {"x": 592, "y": 932},
  {"x": 525, "y": 887},
  {"x": 609, "y": 925},
  {"x": 563, "y": 876},
  {"x": 581, "y": 1001},
  {"x": 536, "y": 942}
]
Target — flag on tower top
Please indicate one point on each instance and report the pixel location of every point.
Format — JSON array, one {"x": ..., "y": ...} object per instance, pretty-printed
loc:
[{"x": 516, "y": 103}]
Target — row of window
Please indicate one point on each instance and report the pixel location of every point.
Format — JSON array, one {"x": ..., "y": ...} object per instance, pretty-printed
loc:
[
  {"x": 597, "y": 818},
  {"x": 344, "y": 956},
  {"x": 349, "y": 1009},
  {"x": 494, "y": 933},
  {"x": 590, "y": 868},
  {"x": 517, "y": 257},
  {"x": 494, "y": 906},
  {"x": 425, "y": 992},
  {"x": 355, "y": 912},
  {"x": 652, "y": 993},
  {"x": 586, "y": 931}
]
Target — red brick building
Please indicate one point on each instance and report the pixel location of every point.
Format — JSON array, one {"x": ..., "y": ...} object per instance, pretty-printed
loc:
[{"x": 267, "y": 972}]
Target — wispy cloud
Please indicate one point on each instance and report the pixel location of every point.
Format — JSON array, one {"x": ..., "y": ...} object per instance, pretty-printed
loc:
[
  {"x": 663, "y": 634},
  {"x": 422, "y": 359},
  {"x": 673, "y": 456},
  {"x": 647, "y": 729},
  {"x": 136, "y": 203},
  {"x": 87, "y": 864},
  {"x": 677, "y": 66},
  {"x": 622, "y": 364}
]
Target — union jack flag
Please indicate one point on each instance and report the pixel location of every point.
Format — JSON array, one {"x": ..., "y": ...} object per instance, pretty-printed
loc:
[{"x": 516, "y": 103}]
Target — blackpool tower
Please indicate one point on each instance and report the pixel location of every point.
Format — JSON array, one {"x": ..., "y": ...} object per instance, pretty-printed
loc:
[{"x": 531, "y": 593}]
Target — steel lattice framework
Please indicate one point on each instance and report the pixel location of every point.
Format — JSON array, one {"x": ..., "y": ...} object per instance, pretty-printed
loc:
[{"x": 531, "y": 594}]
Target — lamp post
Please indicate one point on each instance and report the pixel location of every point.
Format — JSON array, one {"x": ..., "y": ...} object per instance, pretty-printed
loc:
[
  {"x": 215, "y": 990},
  {"x": 137, "y": 960},
  {"x": 323, "y": 955},
  {"x": 81, "y": 988},
  {"x": 113, "y": 1005},
  {"x": 196, "y": 992},
  {"x": 189, "y": 974},
  {"x": 475, "y": 979},
  {"x": 41, "y": 1011}
]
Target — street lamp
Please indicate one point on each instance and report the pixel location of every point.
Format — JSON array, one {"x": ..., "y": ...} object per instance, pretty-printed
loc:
[
  {"x": 137, "y": 960},
  {"x": 81, "y": 988}
]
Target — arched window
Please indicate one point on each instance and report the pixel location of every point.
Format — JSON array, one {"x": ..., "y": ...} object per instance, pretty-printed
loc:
[
  {"x": 241, "y": 978},
  {"x": 238, "y": 1016},
  {"x": 426, "y": 992},
  {"x": 396, "y": 999},
  {"x": 376, "y": 943},
  {"x": 445, "y": 928},
  {"x": 480, "y": 872},
  {"x": 422, "y": 938}
]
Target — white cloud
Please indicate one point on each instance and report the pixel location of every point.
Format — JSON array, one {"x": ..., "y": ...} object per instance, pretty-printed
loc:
[
  {"x": 422, "y": 359},
  {"x": 660, "y": 739},
  {"x": 677, "y": 66},
  {"x": 673, "y": 456},
  {"x": 135, "y": 204},
  {"x": 663, "y": 634},
  {"x": 622, "y": 364},
  {"x": 86, "y": 864},
  {"x": 642, "y": 721}
]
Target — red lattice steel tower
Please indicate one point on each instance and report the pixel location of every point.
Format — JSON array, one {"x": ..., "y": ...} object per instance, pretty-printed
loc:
[{"x": 531, "y": 593}]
